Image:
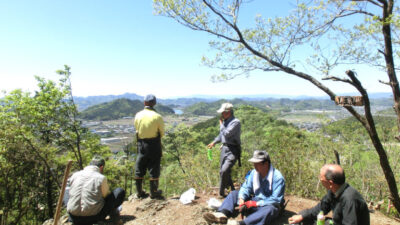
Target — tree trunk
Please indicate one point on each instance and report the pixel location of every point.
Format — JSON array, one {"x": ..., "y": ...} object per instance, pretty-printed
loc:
[
  {"x": 386, "y": 31},
  {"x": 49, "y": 192},
  {"x": 387, "y": 170}
]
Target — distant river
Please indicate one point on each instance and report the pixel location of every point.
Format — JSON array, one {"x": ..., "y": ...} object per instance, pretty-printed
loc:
[{"x": 178, "y": 111}]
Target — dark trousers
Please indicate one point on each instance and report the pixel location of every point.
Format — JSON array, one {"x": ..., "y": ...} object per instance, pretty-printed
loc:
[
  {"x": 226, "y": 162},
  {"x": 148, "y": 158},
  {"x": 112, "y": 202},
  {"x": 258, "y": 216}
]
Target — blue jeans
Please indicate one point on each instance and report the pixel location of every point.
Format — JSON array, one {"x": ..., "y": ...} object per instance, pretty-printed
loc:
[
  {"x": 112, "y": 202},
  {"x": 258, "y": 216}
]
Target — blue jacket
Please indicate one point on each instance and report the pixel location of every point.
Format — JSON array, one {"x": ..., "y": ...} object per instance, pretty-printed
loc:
[{"x": 267, "y": 194}]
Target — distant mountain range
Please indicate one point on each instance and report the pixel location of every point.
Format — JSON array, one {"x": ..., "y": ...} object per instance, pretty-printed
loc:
[
  {"x": 85, "y": 102},
  {"x": 276, "y": 96}
]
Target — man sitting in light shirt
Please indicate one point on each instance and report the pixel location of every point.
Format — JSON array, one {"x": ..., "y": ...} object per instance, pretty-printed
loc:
[{"x": 90, "y": 199}]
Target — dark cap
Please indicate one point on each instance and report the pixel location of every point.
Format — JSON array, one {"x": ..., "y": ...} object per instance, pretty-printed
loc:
[
  {"x": 150, "y": 98},
  {"x": 260, "y": 156}
]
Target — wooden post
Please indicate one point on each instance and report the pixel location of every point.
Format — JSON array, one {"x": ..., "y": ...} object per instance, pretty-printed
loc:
[
  {"x": 337, "y": 157},
  {"x": 62, "y": 191}
]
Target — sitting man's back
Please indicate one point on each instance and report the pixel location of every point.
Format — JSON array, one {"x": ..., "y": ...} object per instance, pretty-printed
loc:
[
  {"x": 86, "y": 192},
  {"x": 90, "y": 199}
]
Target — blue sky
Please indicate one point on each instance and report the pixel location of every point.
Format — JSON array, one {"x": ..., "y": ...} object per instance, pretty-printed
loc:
[{"x": 120, "y": 46}]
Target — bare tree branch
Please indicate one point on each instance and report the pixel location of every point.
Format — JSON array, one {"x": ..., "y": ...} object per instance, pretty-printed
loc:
[
  {"x": 370, "y": 1},
  {"x": 223, "y": 18},
  {"x": 333, "y": 78},
  {"x": 384, "y": 82}
]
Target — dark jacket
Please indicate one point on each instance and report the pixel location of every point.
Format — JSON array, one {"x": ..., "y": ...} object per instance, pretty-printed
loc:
[{"x": 347, "y": 204}]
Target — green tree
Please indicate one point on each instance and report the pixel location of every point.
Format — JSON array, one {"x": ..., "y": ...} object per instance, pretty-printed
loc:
[
  {"x": 71, "y": 111},
  {"x": 38, "y": 134},
  {"x": 340, "y": 32}
]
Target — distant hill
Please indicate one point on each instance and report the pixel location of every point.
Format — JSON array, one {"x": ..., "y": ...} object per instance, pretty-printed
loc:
[
  {"x": 86, "y": 102},
  {"x": 210, "y": 108},
  {"x": 282, "y": 105},
  {"x": 119, "y": 108}
]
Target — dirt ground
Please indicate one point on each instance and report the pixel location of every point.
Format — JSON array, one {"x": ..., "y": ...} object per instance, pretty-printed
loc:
[{"x": 172, "y": 212}]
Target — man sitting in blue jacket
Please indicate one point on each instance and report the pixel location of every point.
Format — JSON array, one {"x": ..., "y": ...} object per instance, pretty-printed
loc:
[{"x": 260, "y": 195}]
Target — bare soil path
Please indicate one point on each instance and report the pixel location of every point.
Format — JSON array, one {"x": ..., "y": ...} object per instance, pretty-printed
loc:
[{"x": 172, "y": 212}]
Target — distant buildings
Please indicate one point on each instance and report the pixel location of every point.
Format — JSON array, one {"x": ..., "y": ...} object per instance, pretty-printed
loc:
[{"x": 112, "y": 140}]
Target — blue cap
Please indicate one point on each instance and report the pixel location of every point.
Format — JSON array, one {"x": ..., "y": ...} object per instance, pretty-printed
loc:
[{"x": 150, "y": 98}]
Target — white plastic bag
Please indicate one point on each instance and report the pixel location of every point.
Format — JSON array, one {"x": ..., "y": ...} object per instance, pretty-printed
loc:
[
  {"x": 188, "y": 196},
  {"x": 214, "y": 203}
]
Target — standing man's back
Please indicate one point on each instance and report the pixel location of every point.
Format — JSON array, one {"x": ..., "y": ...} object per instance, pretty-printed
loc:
[
  {"x": 149, "y": 124},
  {"x": 149, "y": 127}
]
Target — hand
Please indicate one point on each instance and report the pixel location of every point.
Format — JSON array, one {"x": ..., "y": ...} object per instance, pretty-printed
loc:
[
  {"x": 242, "y": 208},
  {"x": 241, "y": 204},
  {"x": 295, "y": 219},
  {"x": 250, "y": 204},
  {"x": 211, "y": 145}
]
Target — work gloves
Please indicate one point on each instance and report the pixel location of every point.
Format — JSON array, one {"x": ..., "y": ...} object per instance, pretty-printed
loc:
[
  {"x": 244, "y": 207},
  {"x": 250, "y": 204}
]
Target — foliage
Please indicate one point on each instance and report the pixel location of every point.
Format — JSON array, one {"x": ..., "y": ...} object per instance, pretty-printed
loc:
[
  {"x": 37, "y": 136},
  {"x": 357, "y": 153}
]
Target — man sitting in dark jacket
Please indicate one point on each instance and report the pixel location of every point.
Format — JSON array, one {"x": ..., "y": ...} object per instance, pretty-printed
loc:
[{"x": 347, "y": 204}]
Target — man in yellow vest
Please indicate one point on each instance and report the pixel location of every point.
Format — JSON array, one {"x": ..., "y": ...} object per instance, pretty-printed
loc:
[{"x": 149, "y": 127}]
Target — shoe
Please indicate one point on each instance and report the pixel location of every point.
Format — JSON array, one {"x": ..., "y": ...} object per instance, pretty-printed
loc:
[
  {"x": 232, "y": 222},
  {"x": 117, "y": 222},
  {"x": 216, "y": 217},
  {"x": 154, "y": 192},
  {"x": 115, "y": 217},
  {"x": 142, "y": 195},
  {"x": 156, "y": 195}
]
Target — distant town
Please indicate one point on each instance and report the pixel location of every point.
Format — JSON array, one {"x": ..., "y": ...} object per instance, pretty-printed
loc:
[{"x": 118, "y": 133}]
